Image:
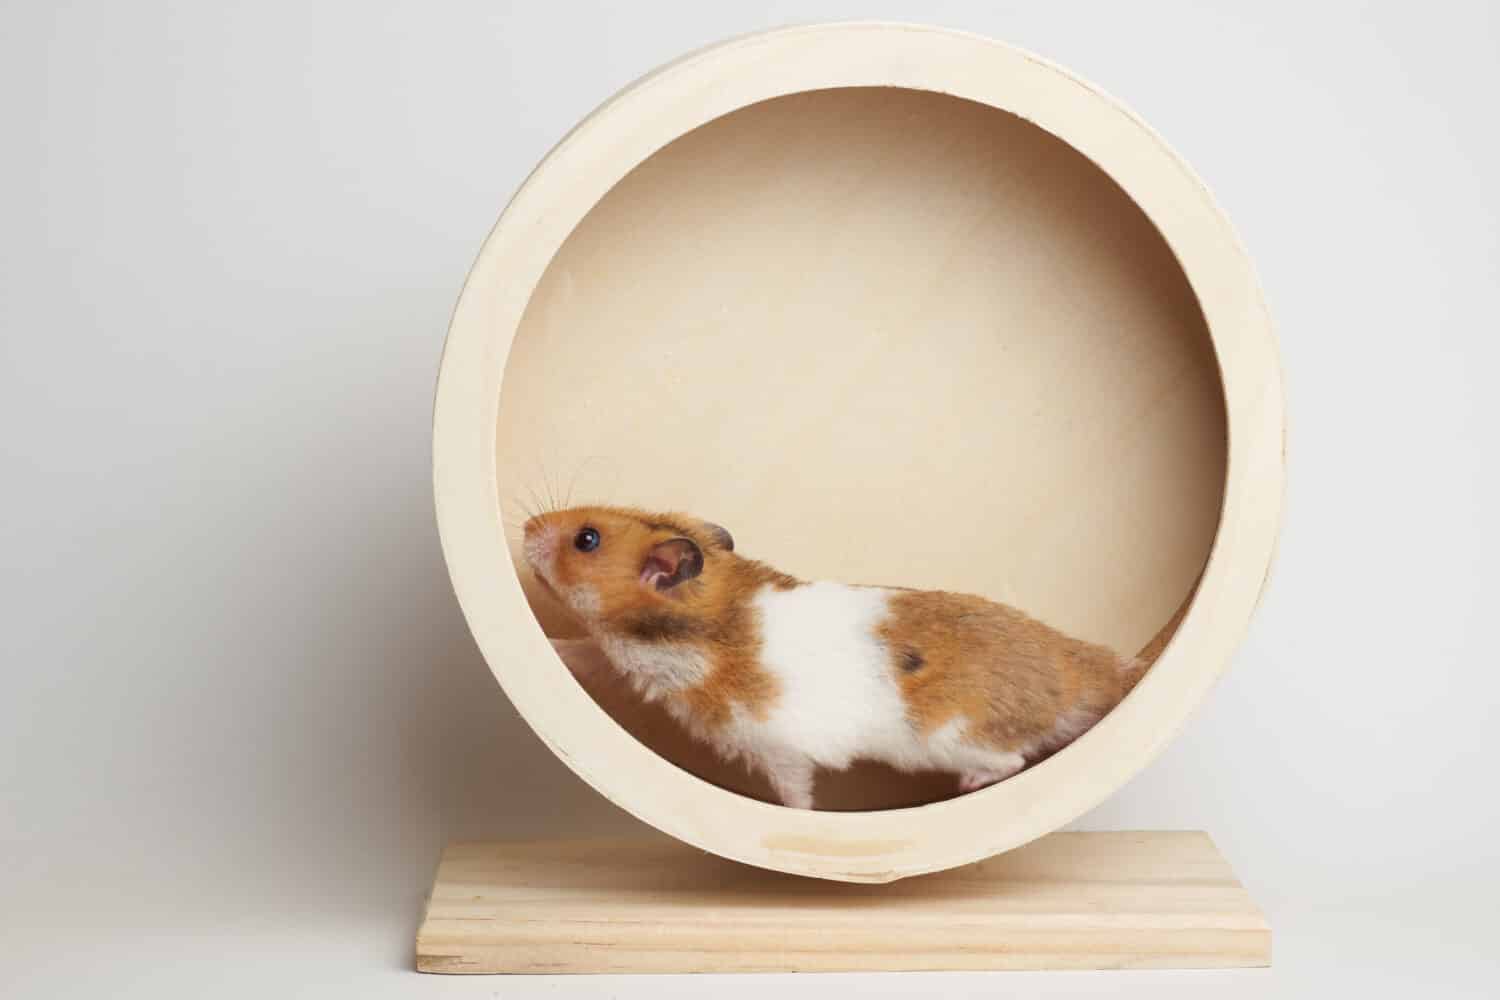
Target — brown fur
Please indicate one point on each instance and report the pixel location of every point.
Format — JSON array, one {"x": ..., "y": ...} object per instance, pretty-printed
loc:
[{"x": 1010, "y": 676}]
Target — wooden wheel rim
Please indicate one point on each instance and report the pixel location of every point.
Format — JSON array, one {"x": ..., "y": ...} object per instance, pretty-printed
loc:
[{"x": 889, "y": 844}]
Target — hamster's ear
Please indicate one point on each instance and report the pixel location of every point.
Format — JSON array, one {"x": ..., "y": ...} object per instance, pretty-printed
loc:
[
  {"x": 670, "y": 563},
  {"x": 720, "y": 535}
]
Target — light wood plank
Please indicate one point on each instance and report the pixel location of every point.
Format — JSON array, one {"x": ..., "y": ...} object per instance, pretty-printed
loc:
[{"x": 1067, "y": 901}]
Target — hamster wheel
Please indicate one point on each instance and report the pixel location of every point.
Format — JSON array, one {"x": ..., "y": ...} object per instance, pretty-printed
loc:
[{"x": 898, "y": 305}]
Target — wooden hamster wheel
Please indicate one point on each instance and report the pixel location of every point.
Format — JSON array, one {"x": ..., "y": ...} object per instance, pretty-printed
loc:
[{"x": 898, "y": 305}]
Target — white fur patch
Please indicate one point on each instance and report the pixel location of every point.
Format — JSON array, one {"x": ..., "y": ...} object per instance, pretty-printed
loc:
[
  {"x": 949, "y": 748},
  {"x": 839, "y": 699},
  {"x": 656, "y": 669},
  {"x": 584, "y": 600}
]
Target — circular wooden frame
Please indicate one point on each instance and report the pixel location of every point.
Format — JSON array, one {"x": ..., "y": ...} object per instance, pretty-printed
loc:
[{"x": 888, "y": 844}]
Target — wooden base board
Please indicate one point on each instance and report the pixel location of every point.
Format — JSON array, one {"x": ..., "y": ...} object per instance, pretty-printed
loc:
[{"x": 1067, "y": 901}]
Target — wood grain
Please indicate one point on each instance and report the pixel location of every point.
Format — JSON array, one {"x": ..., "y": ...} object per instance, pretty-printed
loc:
[{"x": 1067, "y": 901}]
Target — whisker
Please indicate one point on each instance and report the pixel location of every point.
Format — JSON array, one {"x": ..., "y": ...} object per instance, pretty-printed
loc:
[
  {"x": 516, "y": 500},
  {"x": 551, "y": 492},
  {"x": 541, "y": 475}
]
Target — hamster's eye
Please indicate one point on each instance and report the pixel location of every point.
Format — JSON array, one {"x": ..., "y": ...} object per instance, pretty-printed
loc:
[{"x": 586, "y": 540}]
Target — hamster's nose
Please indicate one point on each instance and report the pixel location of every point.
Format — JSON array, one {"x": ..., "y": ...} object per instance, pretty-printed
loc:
[{"x": 539, "y": 542}]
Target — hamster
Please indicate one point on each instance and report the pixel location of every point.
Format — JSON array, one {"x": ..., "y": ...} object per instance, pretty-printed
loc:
[{"x": 790, "y": 676}]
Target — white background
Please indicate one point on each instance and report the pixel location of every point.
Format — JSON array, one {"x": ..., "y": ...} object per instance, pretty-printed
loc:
[{"x": 240, "y": 711}]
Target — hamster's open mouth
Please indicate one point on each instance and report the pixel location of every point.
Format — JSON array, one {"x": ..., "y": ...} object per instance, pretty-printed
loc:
[{"x": 547, "y": 586}]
